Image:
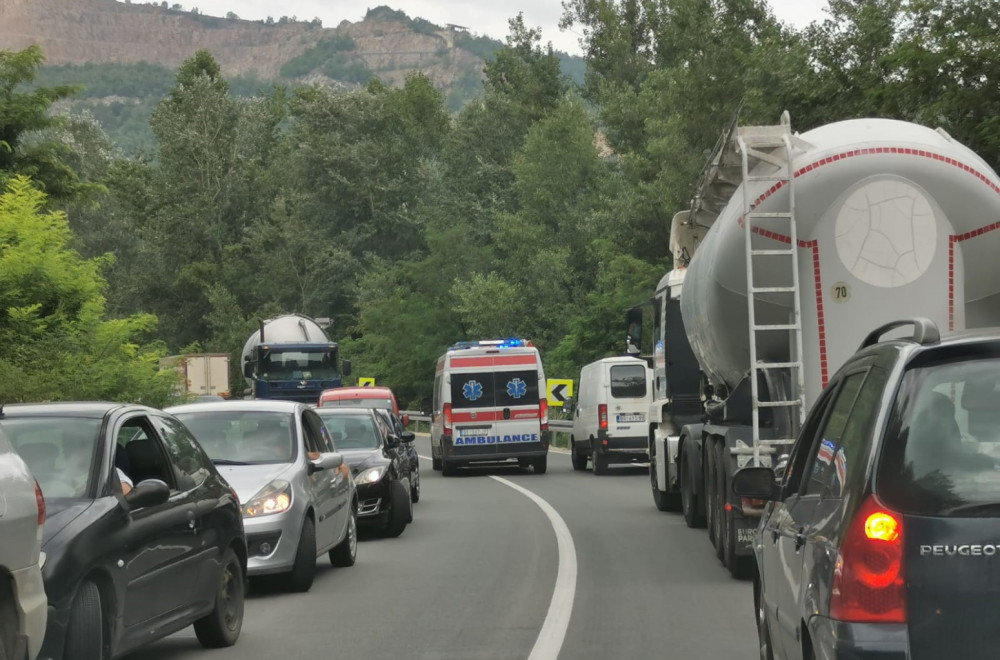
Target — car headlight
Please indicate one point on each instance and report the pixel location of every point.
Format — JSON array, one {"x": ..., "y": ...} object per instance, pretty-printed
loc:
[
  {"x": 371, "y": 475},
  {"x": 272, "y": 498}
]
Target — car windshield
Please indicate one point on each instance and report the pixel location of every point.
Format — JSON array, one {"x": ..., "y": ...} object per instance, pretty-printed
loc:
[
  {"x": 351, "y": 431},
  {"x": 942, "y": 451},
  {"x": 299, "y": 365},
  {"x": 240, "y": 436},
  {"x": 358, "y": 403},
  {"x": 59, "y": 451}
]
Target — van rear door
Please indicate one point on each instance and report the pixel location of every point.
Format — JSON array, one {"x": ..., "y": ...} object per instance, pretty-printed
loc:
[{"x": 629, "y": 396}]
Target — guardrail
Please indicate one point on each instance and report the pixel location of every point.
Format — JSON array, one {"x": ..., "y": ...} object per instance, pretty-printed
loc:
[{"x": 559, "y": 429}]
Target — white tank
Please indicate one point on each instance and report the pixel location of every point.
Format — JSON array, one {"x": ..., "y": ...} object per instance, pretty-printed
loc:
[
  {"x": 288, "y": 329},
  {"x": 894, "y": 220}
]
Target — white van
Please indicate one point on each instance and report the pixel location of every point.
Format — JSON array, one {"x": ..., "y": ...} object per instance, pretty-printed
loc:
[
  {"x": 609, "y": 425},
  {"x": 489, "y": 406}
]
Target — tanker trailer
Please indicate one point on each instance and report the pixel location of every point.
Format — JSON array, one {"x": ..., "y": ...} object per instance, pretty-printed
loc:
[
  {"x": 291, "y": 358},
  {"x": 794, "y": 248}
]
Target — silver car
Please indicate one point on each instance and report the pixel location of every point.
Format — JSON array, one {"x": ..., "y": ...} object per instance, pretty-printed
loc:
[
  {"x": 297, "y": 494},
  {"x": 23, "y": 605}
]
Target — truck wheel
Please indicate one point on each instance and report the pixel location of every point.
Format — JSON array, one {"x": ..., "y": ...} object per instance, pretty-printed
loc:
[
  {"x": 85, "y": 632},
  {"x": 540, "y": 464},
  {"x": 221, "y": 627},
  {"x": 720, "y": 501},
  {"x": 708, "y": 477},
  {"x": 689, "y": 499},
  {"x": 579, "y": 460},
  {"x": 399, "y": 513},
  {"x": 300, "y": 578}
]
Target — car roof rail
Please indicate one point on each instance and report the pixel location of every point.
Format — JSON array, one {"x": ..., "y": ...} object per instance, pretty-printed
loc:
[{"x": 925, "y": 332}]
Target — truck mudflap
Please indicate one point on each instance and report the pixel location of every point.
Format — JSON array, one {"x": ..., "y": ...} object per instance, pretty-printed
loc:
[{"x": 745, "y": 528}]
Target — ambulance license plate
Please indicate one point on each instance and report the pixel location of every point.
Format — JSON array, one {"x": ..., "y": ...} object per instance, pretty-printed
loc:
[
  {"x": 473, "y": 432},
  {"x": 633, "y": 417}
]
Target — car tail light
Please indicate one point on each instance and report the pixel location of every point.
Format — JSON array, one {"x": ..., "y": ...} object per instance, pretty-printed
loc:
[
  {"x": 869, "y": 582},
  {"x": 447, "y": 419},
  {"x": 40, "y": 501},
  {"x": 602, "y": 416},
  {"x": 543, "y": 413}
]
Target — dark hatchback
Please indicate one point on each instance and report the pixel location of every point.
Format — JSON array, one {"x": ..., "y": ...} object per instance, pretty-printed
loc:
[
  {"x": 122, "y": 570},
  {"x": 882, "y": 538},
  {"x": 380, "y": 463}
]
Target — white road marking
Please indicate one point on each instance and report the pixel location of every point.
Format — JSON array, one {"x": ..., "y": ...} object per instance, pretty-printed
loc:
[{"x": 553, "y": 632}]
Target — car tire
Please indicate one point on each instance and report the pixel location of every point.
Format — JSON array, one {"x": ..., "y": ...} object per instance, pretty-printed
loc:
[
  {"x": 579, "y": 460},
  {"x": 689, "y": 499},
  {"x": 599, "y": 463},
  {"x": 540, "y": 464},
  {"x": 400, "y": 510},
  {"x": 85, "y": 630},
  {"x": 221, "y": 627},
  {"x": 300, "y": 578},
  {"x": 415, "y": 484},
  {"x": 435, "y": 462},
  {"x": 345, "y": 553},
  {"x": 8, "y": 626}
]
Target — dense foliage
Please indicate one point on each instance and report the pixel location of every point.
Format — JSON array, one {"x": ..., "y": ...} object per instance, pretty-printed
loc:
[{"x": 538, "y": 210}]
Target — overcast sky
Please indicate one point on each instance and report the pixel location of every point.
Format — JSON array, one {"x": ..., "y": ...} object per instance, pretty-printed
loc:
[{"x": 487, "y": 17}]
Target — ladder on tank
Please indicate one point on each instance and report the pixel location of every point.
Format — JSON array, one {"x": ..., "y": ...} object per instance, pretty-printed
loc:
[{"x": 771, "y": 145}]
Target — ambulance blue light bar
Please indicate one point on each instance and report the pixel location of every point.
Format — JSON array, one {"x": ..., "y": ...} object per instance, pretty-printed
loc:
[{"x": 511, "y": 342}]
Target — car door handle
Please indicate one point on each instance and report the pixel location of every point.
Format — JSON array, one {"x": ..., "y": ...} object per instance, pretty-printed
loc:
[
  {"x": 774, "y": 535},
  {"x": 800, "y": 539}
]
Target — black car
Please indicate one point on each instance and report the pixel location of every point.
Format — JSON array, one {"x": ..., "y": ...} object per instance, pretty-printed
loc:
[
  {"x": 379, "y": 462},
  {"x": 125, "y": 564},
  {"x": 882, "y": 536},
  {"x": 398, "y": 426}
]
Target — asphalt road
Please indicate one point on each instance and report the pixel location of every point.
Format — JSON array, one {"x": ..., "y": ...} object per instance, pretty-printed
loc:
[{"x": 472, "y": 578}]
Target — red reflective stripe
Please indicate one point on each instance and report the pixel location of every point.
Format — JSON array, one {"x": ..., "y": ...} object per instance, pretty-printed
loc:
[
  {"x": 492, "y": 415},
  {"x": 492, "y": 361}
]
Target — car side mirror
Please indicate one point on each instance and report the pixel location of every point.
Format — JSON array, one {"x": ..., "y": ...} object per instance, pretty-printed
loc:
[
  {"x": 149, "y": 492},
  {"x": 326, "y": 461},
  {"x": 391, "y": 440},
  {"x": 406, "y": 420},
  {"x": 407, "y": 436},
  {"x": 756, "y": 483}
]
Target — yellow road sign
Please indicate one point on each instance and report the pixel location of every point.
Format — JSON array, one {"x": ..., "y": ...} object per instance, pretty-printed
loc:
[
  {"x": 559, "y": 391},
  {"x": 366, "y": 382}
]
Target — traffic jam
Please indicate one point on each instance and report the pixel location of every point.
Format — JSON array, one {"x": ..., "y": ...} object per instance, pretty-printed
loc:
[{"x": 815, "y": 382}]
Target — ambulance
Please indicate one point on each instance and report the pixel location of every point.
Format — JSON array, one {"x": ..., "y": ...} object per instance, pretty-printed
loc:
[{"x": 489, "y": 406}]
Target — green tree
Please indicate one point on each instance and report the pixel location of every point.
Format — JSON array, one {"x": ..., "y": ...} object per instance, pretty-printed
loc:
[{"x": 59, "y": 346}]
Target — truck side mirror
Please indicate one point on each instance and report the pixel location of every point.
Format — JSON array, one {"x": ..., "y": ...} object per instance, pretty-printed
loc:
[
  {"x": 633, "y": 331},
  {"x": 248, "y": 368},
  {"x": 347, "y": 367}
]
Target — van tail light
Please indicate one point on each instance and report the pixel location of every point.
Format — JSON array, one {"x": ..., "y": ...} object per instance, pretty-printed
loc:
[
  {"x": 602, "y": 416},
  {"x": 869, "y": 581},
  {"x": 447, "y": 419},
  {"x": 543, "y": 413},
  {"x": 40, "y": 501}
]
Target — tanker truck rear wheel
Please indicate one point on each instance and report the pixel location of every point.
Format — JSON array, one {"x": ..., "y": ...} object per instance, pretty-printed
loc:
[{"x": 689, "y": 499}]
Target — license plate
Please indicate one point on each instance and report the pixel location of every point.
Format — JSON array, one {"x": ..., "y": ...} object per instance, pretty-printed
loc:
[
  {"x": 634, "y": 417},
  {"x": 474, "y": 432}
]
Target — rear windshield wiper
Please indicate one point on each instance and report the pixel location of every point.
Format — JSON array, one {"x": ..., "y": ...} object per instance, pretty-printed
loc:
[
  {"x": 226, "y": 461},
  {"x": 974, "y": 508}
]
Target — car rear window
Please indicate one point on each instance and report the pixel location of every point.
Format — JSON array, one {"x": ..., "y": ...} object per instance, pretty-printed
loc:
[
  {"x": 942, "y": 451},
  {"x": 628, "y": 381},
  {"x": 494, "y": 389},
  {"x": 252, "y": 437},
  {"x": 351, "y": 431},
  {"x": 59, "y": 451},
  {"x": 357, "y": 403}
]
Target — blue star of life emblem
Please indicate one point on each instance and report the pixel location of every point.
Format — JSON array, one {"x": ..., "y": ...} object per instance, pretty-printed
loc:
[
  {"x": 516, "y": 388},
  {"x": 472, "y": 390}
]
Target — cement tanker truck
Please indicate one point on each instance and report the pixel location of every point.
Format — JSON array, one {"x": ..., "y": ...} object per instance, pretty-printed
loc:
[
  {"x": 293, "y": 359},
  {"x": 794, "y": 248}
]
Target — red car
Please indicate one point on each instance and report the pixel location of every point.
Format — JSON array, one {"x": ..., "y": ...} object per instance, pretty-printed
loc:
[{"x": 366, "y": 397}]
